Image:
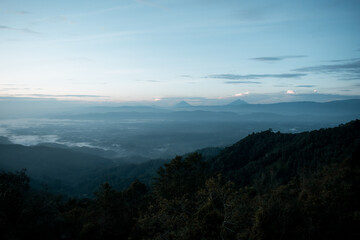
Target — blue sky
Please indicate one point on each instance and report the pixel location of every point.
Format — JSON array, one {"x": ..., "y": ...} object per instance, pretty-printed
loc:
[{"x": 201, "y": 50}]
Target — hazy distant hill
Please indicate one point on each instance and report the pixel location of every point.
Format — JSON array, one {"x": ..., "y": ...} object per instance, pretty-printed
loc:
[
  {"x": 295, "y": 108},
  {"x": 50, "y": 163},
  {"x": 200, "y": 115},
  {"x": 87, "y": 150},
  {"x": 4, "y": 140},
  {"x": 237, "y": 102},
  {"x": 182, "y": 104}
]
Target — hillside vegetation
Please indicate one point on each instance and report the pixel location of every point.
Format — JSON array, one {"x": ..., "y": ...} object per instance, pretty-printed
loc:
[{"x": 267, "y": 186}]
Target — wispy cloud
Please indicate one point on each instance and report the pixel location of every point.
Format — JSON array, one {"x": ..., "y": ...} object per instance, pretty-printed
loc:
[
  {"x": 241, "y": 94},
  {"x": 24, "y": 30},
  {"x": 78, "y": 96},
  {"x": 67, "y": 18},
  {"x": 150, "y": 80},
  {"x": 256, "y": 76},
  {"x": 349, "y": 70},
  {"x": 23, "y": 12},
  {"x": 277, "y": 58},
  {"x": 59, "y": 95},
  {"x": 97, "y": 36},
  {"x": 306, "y": 86},
  {"x": 152, "y": 4},
  {"x": 53, "y": 19},
  {"x": 12, "y": 89},
  {"x": 344, "y": 60},
  {"x": 242, "y": 82},
  {"x": 290, "y": 92},
  {"x": 100, "y": 11}
]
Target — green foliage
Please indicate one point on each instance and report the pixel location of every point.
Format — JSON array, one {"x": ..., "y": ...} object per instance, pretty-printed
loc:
[
  {"x": 180, "y": 177},
  {"x": 269, "y": 159},
  {"x": 24, "y": 212},
  {"x": 13, "y": 188},
  {"x": 325, "y": 206}
]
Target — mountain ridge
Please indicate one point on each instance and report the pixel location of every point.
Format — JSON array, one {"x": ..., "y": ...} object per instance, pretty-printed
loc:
[{"x": 182, "y": 104}]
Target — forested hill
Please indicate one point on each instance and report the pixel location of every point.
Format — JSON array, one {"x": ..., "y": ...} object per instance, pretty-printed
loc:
[
  {"x": 44, "y": 162},
  {"x": 267, "y": 186},
  {"x": 277, "y": 157}
]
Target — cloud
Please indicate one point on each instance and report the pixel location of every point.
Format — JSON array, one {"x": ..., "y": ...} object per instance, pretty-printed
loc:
[
  {"x": 23, "y": 12},
  {"x": 150, "y": 80},
  {"x": 345, "y": 60},
  {"x": 58, "y": 96},
  {"x": 321, "y": 97},
  {"x": 24, "y": 30},
  {"x": 69, "y": 95},
  {"x": 93, "y": 96},
  {"x": 241, "y": 94},
  {"x": 277, "y": 58},
  {"x": 264, "y": 12},
  {"x": 256, "y": 76},
  {"x": 242, "y": 82},
  {"x": 349, "y": 70},
  {"x": 290, "y": 92},
  {"x": 53, "y": 19},
  {"x": 281, "y": 85},
  {"x": 66, "y": 18},
  {"x": 314, "y": 96},
  {"x": 12, "y": 89},
  {"x": 151, "y": 4},
  {"x": 97, "y": 36},
  {"x": 306, "y": 86}
]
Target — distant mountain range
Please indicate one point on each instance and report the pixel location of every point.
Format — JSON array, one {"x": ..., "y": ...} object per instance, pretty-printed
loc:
[
  {"x": 30, "y": 108},
  {"x": 239, "y": 110}
]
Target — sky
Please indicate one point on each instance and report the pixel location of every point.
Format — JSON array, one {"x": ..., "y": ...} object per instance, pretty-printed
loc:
[{"x": 202, "y": 51}]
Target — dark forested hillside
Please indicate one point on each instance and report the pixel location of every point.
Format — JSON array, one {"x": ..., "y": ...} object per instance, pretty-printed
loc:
[
  {"x": 271, "y": 156},
  {"x": 58, "y": 168},
  {"x": 266, "y": 186},
  {"x": 65, "y": 171}
]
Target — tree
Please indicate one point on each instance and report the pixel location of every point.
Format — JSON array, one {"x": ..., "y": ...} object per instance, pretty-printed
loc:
[{"x": 13, "y": 190}]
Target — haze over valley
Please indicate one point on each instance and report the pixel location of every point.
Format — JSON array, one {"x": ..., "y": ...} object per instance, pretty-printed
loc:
[{"x": 150, "y": 132}]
